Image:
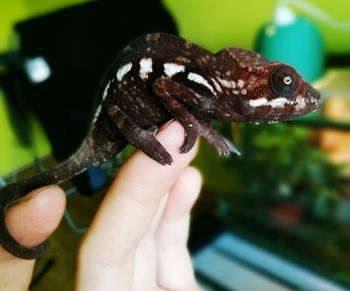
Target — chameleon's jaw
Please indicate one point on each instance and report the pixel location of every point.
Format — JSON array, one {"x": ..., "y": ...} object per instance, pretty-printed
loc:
[
  {"x": 313, "y": 95},
  {"x": 281, "y": 108},
  {"x": 311, "y": 101}
]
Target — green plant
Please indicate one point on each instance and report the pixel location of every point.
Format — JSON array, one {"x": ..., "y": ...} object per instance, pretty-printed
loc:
[{"x": 281, "y": 164}]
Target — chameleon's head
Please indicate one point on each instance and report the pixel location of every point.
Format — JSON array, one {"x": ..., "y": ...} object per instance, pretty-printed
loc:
[
  {"x": 264, "y": 90},
  {"x": 280, "y": 95}
]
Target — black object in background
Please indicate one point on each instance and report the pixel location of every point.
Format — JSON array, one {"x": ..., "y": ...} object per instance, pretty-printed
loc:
[{"x": 78, "y": 44}]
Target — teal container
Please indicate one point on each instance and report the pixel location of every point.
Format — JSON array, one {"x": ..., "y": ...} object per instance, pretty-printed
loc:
[{"x": 298, "y": 44}]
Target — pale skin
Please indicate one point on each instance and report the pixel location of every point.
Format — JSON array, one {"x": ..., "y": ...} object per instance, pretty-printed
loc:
[{"x": 138, "y": 238}]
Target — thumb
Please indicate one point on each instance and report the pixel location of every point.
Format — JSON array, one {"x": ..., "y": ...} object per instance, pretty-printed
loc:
[{"x": 30, "y": 222}]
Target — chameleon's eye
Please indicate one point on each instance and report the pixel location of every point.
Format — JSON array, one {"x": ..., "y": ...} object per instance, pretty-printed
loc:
[{"x": 283, "y": 80}]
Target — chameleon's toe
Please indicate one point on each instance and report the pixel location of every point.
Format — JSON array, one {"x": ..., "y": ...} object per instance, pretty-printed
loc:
[
  {"x": 224, "y": 147},
  {"x": 221, "y": 145},
  {"x": 188, "y": 144},
  {"x": 159, "y": 154},
  {"x": 230, "y": 148},
  {"x": 192, "y": 132},
  {"x": 163, "y": 158}
]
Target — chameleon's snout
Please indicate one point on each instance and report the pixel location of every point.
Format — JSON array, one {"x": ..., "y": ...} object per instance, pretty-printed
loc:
[
  {"x": 313, "y": 96},
  {"x": 313, "y": 93}
]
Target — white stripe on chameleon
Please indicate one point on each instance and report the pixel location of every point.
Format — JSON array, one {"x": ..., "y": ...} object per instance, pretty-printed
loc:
[
  {"x": 98, "y": 111},
  {"x": 105, "y": 92},
  {"x": 301, "y": 102},
  {"x": 200, "y": 80},
  {"x": 145, "y": 68},
  {"x": 275, "y": 103},
  {"x": 278, "y": 102},
  {"x": 171, "y": 69},
  {"x": 258, "y": 102},
  {"x": 123, "y": 70}
]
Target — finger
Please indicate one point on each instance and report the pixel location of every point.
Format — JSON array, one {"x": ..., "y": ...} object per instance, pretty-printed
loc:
[
  {"x": 128, "y": 209},
  {"x": 145, "y": 263},
  {"x": 145, "y": 269},
  {"x": 30, "y": 222},
  {"x": 33, "y": 219},
  {"x": 174, "y": 269}
]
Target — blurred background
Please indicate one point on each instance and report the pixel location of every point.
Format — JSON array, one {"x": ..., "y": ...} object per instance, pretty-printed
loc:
[{"x": 275, "y": 218}]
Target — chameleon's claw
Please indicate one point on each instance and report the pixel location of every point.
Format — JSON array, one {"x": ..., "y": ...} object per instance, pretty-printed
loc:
[
  {"x": 231, "y": 148},
  {"x": 187, "y": 146},
  {"x": 153, "y": 129},
  {"x": 191, "y": 135},
  {"x": 222, "y": 145},
  {"x": 225, "y": 148},
  {"x": 163, "y": 158},
  {"x": 159, "y": 154}
]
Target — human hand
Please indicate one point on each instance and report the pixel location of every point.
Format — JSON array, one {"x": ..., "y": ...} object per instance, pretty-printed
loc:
[{"x": 138, "y": 238}]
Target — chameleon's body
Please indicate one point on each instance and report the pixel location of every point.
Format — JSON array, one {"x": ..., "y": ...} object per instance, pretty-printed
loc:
[{"x": 159, "y": 77}]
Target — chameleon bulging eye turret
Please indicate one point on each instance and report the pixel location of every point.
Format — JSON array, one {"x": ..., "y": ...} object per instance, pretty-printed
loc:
[{"x": 284, "y": 80}]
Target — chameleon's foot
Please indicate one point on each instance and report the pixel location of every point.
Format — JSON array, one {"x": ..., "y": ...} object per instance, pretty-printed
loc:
[
  {"x": 226, "y": 147},
  {"x": 161, "y": 156},
  {"x": 15, "y": 248},
  {"x": 223, "y": 146},
  {"x": 148, "y": 143},
  {"x": 139, "y": 137},
  {"x": 154, "y": 149},
  {"x": 168, "y": 91},
  {"x": 192, "y": 131}
]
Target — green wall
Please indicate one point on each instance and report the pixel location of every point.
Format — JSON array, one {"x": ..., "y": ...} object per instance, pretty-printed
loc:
[
  {"x": 219, "y": 23},
  {"x": 12, "y": 154}
]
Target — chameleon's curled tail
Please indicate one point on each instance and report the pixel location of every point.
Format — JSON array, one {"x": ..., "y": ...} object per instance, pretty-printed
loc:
[
  {"x": 10, "y": 194},
  {"x": 92, "y": 151},
  {"x": 13, "y": 192},
  {"x": 6, "y": 239}
]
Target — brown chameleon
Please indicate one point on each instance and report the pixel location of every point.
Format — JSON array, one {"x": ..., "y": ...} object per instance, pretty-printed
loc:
[{"x": 159, "y": 77}]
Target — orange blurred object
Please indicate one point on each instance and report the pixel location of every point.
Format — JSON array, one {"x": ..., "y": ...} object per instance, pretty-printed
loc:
[{"x": 336, "y": 142}]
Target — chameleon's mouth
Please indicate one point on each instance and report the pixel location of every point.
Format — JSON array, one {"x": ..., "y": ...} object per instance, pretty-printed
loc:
[
  {"x": 282, "y": 108},
  {"x": 312, "y": 98}
]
